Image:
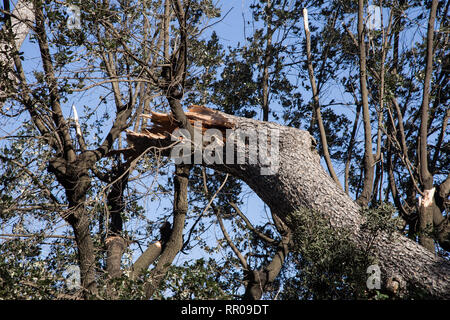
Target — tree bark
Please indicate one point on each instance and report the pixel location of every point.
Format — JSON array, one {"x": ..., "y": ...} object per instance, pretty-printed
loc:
[
  {"x": 366, "y": 194},
  {"x": 175, "y": 240},
  {"x": 426, "y": 206},
  {"x": 316, "y": 110},
  {"x": 19, "y": 27},
  {"x": 146, "y": 259},
  {"x": 426, "y": 178},
  {"x": 115, "y": 243},
  {"x": 80, "y": 221},
  {"x": 301, "y": 182}
]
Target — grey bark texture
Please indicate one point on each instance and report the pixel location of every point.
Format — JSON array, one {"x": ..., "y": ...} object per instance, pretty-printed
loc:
[
  {"x": 21, "y": 19},
  {"x": 301, "y": 182}
]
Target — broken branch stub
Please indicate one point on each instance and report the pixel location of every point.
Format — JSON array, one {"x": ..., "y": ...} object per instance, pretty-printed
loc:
[{"x": 163, "y": 124}]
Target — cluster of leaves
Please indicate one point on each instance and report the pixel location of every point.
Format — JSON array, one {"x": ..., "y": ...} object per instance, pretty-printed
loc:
[
  {"x": 26, "y": 274},
  {"x": 200, "y": 279},
  {"x": 325, "y": 263},
  {"x": 382, "y": 218}
]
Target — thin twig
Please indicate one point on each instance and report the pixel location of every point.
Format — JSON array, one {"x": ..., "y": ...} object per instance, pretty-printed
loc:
[
  {"x": 250, "y": 226},
  {"x": 203, "y": 212},
  {"x": 231, "y": 244}
]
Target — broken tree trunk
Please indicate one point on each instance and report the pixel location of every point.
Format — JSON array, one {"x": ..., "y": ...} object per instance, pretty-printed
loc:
[{"x": 296, "y": 180}]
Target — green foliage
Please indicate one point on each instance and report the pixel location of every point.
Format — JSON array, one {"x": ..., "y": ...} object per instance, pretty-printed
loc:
[
  {"x": 200, "y": 280},
  {"x": 381, "y": 219},
  {"x": 26, "y": 274},
  {"x": 325, "y": 263},
  {"x": 236, "y": 91}
]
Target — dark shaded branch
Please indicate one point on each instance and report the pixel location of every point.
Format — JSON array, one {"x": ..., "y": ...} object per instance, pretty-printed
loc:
[
  {"x": 61, "y": 125},
  {"x": 249, "y": 225},
  {"x": 231, "y": 244}
]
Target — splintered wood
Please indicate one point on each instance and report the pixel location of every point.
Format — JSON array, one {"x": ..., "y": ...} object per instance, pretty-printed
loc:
[{"x": 200, "y": 117}]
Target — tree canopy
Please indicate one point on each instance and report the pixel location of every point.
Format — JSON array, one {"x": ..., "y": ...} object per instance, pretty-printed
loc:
[{"x": 80, "y": 218}]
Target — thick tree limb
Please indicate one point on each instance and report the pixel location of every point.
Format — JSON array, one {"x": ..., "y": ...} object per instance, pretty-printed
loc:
[
  {"x": 175, "y": 240},
  {"x": 146, "y": 259},
  {"x": 300, "y": 182}
]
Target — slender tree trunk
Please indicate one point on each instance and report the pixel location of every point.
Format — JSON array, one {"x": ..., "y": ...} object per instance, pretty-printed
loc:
[
  {"x": 75, "y": 179},
  {"x": 267, "y": 58},
  {"x": 316, "y": 111},
  {"x": 350, "y": 148},
  {"x": 115, "y": 243},
  {"x": 369, "y": 162},
  {"x": 80, "y": 221},
  {"x": 427, "y": 203}
]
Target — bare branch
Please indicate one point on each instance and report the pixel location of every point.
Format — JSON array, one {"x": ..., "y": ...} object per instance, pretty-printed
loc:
[
  {"x": 264, "y": 237},
  {"x": 318, "y": 115},
  {"x": 231, "y": 244}
]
